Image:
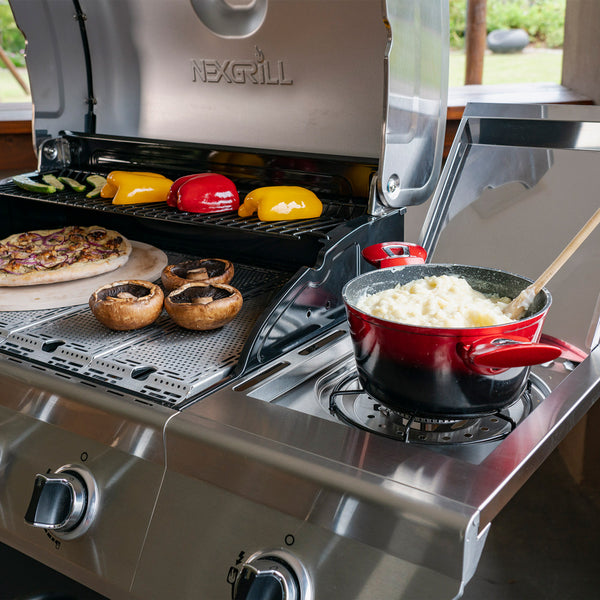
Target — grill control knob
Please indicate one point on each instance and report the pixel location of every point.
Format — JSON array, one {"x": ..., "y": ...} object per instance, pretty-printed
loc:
[
  {"x": 266, "y": 578},
  {"x": 62, "y": 501}
]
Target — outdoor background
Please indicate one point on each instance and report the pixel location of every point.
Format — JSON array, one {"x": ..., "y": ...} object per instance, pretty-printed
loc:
[
  {"x": 541, "y": 61},
  {"x": 11, "y": 41}
]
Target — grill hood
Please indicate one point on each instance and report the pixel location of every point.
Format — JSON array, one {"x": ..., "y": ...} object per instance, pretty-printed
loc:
[{"x": 362, "y": 80}]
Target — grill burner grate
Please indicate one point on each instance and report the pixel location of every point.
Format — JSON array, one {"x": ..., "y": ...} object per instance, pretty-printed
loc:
[
  {"x": 336, "y": 210},
  {"x": 350, "y": 403}
]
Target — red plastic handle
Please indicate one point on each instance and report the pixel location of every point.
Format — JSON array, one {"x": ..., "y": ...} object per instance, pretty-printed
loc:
[
  {"x": 508, "y": 352},
  {"x": 568, "y": 351},
  {"x": 391, "y": 254}
]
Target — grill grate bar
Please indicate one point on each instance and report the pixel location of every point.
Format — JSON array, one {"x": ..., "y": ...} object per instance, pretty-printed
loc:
[{"x": 335, "y": 211}]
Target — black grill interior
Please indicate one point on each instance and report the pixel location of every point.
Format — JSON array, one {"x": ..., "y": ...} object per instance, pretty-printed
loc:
[{"x": 282, "y": 244}]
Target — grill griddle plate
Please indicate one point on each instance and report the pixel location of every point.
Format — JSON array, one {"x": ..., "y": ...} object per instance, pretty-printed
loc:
[{"x": 162, "y": 362}]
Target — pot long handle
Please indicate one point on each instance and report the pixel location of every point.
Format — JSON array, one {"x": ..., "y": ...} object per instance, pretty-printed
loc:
[{"x": 508, "y": 352}]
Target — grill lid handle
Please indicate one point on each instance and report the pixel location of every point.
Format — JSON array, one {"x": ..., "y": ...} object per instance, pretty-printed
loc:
[{"x": 231, "y": 18}]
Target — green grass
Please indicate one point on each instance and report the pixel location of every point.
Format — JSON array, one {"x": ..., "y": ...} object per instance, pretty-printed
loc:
[
  {"x": 529, "y": 66},
  {"x": 10, "y": 90}
]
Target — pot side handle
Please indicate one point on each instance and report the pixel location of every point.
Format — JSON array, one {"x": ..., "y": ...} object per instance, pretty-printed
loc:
[
  {"x": 392, "y": 254},
  {"x": 508, "y": 352},
  {"x": 568, "y": 351}
]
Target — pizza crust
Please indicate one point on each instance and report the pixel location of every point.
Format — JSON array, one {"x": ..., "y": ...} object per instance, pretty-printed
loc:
[{"x": 69, "y": 272}]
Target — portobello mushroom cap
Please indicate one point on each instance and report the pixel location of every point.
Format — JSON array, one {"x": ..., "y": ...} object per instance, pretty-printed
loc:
[
  {"x": 205, "y": 270},
  {"x": 201, "y": 306},
  {"x": 126, "y": 305}
]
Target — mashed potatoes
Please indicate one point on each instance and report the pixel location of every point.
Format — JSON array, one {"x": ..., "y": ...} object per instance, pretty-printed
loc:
[{"x": 441, "y": 301}]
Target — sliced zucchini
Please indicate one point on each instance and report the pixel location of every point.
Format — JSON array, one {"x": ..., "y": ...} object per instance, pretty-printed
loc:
[
  {"x": 53, "y": 181},
  {"x": 33, "y": 186},
  {"x": 72, "y": 183},
  {"x": 98, "y": 182}
]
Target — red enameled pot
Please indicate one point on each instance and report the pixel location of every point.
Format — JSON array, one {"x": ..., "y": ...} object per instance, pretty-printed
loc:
[{"x": 443, "y": 372}]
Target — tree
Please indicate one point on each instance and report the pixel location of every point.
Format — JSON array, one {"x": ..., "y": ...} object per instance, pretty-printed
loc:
[{"x": 11, "y": 39}]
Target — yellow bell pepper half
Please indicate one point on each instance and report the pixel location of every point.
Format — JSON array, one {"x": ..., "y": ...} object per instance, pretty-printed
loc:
[
  {"x": 134, "y": 187},
  {"x": 281, "y": 203}
]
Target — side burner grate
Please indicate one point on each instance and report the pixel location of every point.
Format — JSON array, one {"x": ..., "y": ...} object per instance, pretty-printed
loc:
[{"x": 351, "y": 404}]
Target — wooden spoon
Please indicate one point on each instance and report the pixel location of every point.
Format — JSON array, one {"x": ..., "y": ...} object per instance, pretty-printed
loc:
[{"x": 522, "y": 302}]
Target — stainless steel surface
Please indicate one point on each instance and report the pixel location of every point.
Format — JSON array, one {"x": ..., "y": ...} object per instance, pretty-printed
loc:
[
  {"x": 51, "y": 425},
  {"x": 303, "y": 71},
  {"x": 344, "y": 504},
  {"x": 370, "y": 490},
  {"x": 417, "y": 91},
  {"x": 159, "y": 362},
  {"x": 260, "y": 468},
  {"x": 297, "y": 482}
]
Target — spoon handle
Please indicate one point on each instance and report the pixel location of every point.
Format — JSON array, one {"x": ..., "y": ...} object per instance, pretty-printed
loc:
[
  {"x": 562, "y": 258},
  {"x": 520, "y": 304}
]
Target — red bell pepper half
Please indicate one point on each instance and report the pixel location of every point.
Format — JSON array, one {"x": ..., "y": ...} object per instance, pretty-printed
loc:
[
  {"x": 204, "y": 193},
  {"x": 172, "y": 196}
]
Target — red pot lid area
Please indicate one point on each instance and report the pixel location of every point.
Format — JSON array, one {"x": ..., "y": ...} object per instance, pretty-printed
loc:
[{"x": 390, "y": 254}]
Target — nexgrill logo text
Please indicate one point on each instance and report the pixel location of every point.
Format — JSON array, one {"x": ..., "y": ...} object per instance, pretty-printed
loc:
[{"x": 257, "y": 71}]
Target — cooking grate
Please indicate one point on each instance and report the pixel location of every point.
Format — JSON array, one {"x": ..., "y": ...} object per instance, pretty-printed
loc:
[
  {"x": 335, "y": 210},
  {"x": 161, "y": 362},
  {"x": 351, "y": 404},
  {"x": 177, "y": 363}
]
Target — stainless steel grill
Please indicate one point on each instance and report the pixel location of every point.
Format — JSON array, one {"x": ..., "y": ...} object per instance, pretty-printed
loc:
[
  {"x": 94, "y": 405},
  {"x": 216, "y": 462}
]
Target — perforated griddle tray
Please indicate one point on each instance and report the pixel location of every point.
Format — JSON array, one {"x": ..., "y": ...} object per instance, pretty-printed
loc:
[{"x": 162, "y": 362}]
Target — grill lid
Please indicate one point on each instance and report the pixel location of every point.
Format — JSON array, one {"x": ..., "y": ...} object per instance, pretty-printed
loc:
[{"x": 346, "y": 78}]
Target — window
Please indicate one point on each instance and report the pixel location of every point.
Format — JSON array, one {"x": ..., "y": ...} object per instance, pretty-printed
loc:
[
  {"x": 540, "y": 22},
  {"x": 14, "y": 83}
]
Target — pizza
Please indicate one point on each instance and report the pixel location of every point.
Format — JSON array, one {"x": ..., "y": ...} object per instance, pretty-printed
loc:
[{"x": 55, "y": 255}]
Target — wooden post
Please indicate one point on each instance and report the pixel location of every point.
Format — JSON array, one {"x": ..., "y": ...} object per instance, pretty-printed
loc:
[{"x": 475, "y": 35}]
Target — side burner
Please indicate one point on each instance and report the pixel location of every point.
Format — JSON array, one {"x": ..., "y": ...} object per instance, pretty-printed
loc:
[{"x": 351, "y": 404}]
